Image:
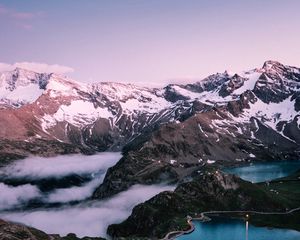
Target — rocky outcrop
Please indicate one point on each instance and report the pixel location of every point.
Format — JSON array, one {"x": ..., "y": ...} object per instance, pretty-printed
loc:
[
  {"x": 234, "y": 83},
  {"x": 12, "y": 150},
  {"x": 14, "y": 231},
  {"x": 277, "y": 82}
]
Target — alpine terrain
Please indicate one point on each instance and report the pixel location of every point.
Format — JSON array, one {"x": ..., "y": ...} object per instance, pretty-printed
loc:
[
  {"x": 224, "y": 117},
  {"x": 170, "y": 135}
]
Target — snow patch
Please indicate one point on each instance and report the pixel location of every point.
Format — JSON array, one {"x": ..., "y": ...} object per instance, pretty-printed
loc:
[
  {"x": 133, "y": 98},
  {"x": 210, "y": 161},
  {"x": 201, "y": 130},
  {"x": 249, "y": 84},
  {"x": 61, "y": 86},
  {"x": 78, "y": 113},
  {"x": 172, "y": 161},
  {"x": 26, "y": 94},
  {"x": 269, "y": 113}
]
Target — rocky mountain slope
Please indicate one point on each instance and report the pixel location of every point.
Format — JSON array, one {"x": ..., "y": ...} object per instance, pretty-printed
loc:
[{"x": 165, "y": 133}]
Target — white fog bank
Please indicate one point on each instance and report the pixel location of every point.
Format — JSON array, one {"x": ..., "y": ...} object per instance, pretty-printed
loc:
[
  {"x": 64, "y": 195},
  {"x": 37, "y": 168},
  {"x": 90, "y": 218},
  {"x": 14, "y": 196},
  {"x": 40, "y": 167}
]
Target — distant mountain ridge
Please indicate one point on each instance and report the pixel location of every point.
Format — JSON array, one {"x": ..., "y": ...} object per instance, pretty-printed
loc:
[{"x": 38, "y": 108}]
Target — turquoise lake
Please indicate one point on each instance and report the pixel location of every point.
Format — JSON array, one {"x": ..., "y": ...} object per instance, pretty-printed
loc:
[
  {"x": 231, "y": 229},
  {"x": 261, "y": 172}
]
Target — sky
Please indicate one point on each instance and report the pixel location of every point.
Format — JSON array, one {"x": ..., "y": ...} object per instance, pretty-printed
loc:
[{"x": 148, "y": 41}]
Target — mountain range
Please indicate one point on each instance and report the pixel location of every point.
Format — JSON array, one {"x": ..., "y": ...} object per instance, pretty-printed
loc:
[
  {"x": 170, "y": 131},
  {"x": 167, "y": 135}
]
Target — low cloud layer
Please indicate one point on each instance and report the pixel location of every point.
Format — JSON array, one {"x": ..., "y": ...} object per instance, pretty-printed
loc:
[
  {"x": 39, "y": 168},
  {"x": 88, "y": 219},
  {"x": 15, "y": 196},
  {"x": 65, "y": 195},
  {"x": 37, "y": 67}
]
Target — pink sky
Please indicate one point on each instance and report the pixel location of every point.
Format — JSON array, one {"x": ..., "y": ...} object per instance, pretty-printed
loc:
[{"x": 150, "y": 41}]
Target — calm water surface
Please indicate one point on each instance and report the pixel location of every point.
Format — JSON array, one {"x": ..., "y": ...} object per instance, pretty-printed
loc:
[
  {"x": 229, "y": 229},
  {"x": 261, "y": 172}
]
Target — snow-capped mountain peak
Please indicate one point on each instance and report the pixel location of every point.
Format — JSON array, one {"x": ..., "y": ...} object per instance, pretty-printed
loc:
[
  {"x": 58, "y": 85},
  {"x": 21, "y": 78},
  {"x": 21, "y": 86},
  {"x": 277, "y": 69},
  {"x": 271, "y": 64}
]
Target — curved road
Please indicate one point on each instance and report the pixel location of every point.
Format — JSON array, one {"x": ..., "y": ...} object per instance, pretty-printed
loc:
[{"x": 174, "y": 234}]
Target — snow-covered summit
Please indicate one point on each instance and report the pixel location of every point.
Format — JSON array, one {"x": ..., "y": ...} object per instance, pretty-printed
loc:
[
  {"x": 21, "y": 78},
  {"x": 277, "y": 67},
  {"x": 62, "y": 86},
  {"x": 21, "y": 86}
]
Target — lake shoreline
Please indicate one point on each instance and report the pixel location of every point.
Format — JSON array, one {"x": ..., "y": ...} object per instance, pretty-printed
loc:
[
  {"x": 258, "y": 219},
  {"x": 245, "y": 215}
]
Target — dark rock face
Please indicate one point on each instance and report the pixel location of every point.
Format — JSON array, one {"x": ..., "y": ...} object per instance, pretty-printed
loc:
[
  {"x": 275, "y": 84},
  {"x": 214, "y": 81},
  {"x": 173, "y": 96},
  {"x": 292, "y": 129},
  {"x": 266, "y": 87},
  {"x": 213, "y": 190},
  {"x": 20, "y": 232},
  {"x": 132, "y": 170},
  {"x": 296, "y": 97},
  {"x": 237, "y": 107},
  {"x": 275, "y": 68},
  {"x": 14, "y": 231},
  {"x": 234, "y": 83},
  {"x": 12, "y": 150}
]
